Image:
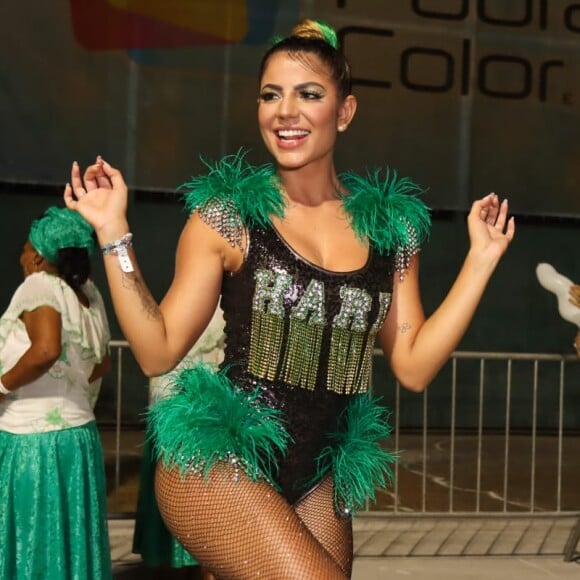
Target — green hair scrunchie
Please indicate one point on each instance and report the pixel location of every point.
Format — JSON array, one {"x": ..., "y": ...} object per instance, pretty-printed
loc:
[
  {"x": 60, "y": 228},
  {"x": 327, "y": 34}
]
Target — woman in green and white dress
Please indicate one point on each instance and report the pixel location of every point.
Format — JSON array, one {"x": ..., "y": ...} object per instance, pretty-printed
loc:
[{"x": 53, "y": 351}]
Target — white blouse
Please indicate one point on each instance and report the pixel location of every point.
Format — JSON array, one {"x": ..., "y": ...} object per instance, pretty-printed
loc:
[
  {"x": 209, "y": 349},
  {"x": 63, "y": 396}
]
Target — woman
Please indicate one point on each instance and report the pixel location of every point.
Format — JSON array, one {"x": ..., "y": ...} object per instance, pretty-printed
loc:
[
  {"x": 262, "y": 464},
  {"x": 53, "y": 350}
]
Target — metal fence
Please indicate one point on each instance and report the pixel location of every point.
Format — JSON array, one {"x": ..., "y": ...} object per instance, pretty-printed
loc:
[{"x": 530, "y": 468}]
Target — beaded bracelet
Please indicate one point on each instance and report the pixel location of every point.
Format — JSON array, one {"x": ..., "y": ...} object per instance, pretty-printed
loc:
[
  {"x": 112, "y": 247},
  {"x": 119, "y": 248},
  {"x": 3, "y": 389}
]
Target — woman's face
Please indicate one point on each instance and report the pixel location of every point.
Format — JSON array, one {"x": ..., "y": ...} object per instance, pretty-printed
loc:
[
  {"x": 28, "y": 259},
  {"x": 299, "y": 110}
]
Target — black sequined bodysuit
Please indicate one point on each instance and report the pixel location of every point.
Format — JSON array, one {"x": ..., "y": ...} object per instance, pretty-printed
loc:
[{"x": 305, "y": 335}]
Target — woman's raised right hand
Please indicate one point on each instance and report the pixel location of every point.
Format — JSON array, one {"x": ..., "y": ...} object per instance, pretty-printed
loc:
[{"x": 100, "y": 196}]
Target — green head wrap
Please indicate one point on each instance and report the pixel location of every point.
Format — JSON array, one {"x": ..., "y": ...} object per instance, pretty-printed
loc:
[{"x": 60, "y": 228}]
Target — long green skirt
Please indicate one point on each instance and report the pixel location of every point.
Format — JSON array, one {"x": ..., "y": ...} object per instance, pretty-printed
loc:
[
  {"x": 152, "y": 539},
  {"x": 53, "y": 515}
]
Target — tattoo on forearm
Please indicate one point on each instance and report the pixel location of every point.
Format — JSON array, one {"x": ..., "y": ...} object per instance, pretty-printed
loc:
[
  {"x": 404, "y": 327},
  {"x": 148, "y": 304}
]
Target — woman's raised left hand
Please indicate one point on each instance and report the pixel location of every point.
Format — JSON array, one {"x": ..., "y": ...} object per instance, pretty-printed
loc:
[{"x": 490, "y": 230}]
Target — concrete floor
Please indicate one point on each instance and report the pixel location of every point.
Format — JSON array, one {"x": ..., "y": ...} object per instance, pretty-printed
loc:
[
  {"x": 454, "y": 568},
  {"x": 127, "y": 566}
]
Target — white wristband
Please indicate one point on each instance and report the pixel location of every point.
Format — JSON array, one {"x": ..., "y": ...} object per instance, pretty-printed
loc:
[
  {"x": 3, "y": 389},
  {"x": 124, "y": 259},
  {"x": 119, "y": 248}
]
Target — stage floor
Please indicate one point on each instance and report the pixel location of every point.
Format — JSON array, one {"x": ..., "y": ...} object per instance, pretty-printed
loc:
[{"x": 383, "y": 545}]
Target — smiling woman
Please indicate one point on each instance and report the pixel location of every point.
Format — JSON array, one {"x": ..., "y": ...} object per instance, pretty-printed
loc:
[
  {"x": 299, "y": 119},
  {"x": 262, "y": 463}
]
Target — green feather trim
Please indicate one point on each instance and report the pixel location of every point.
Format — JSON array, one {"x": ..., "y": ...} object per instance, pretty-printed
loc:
[
  {"x": 206, "y": 419},
  {"x": 356, "y": 459},
  {"x": 253, "y": 189},
  {"x": 381, "y": 209}
]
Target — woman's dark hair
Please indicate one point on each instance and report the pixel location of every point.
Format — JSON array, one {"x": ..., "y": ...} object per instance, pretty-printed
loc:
[
  {"x": 312, "y": 37},
  {"x": 74, "y": 266}
]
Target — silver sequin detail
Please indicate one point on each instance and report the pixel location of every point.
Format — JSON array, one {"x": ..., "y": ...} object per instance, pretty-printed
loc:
[
  {"x": 197, "y": 466},
  {"x": 405, "y": 253},
  {"x": 312, "y": 302},
  {"x": 384, "y": 304},
  {"x": 270, "y": 287},
  {"x": 224, "y": 218},
  {"x": 354, "y": 309}
]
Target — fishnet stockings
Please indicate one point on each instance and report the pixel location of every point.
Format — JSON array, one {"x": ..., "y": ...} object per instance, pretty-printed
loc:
[
  {"x": 333, "y": 533},
  {"x": 243, "y": 529}
]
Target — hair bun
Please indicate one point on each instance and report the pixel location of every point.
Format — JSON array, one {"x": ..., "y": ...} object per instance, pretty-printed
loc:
[{"x": 316, "y": 29}]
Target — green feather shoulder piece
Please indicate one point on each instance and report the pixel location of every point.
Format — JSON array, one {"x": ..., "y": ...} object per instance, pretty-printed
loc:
[
  {"x": 386, "y": 210},
  {"x": 251, "y": 189}
]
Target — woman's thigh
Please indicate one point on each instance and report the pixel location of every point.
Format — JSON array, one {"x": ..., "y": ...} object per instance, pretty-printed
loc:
[
  {"x": 239, "y": 528},
  {"x": 333, "y": 531}
]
